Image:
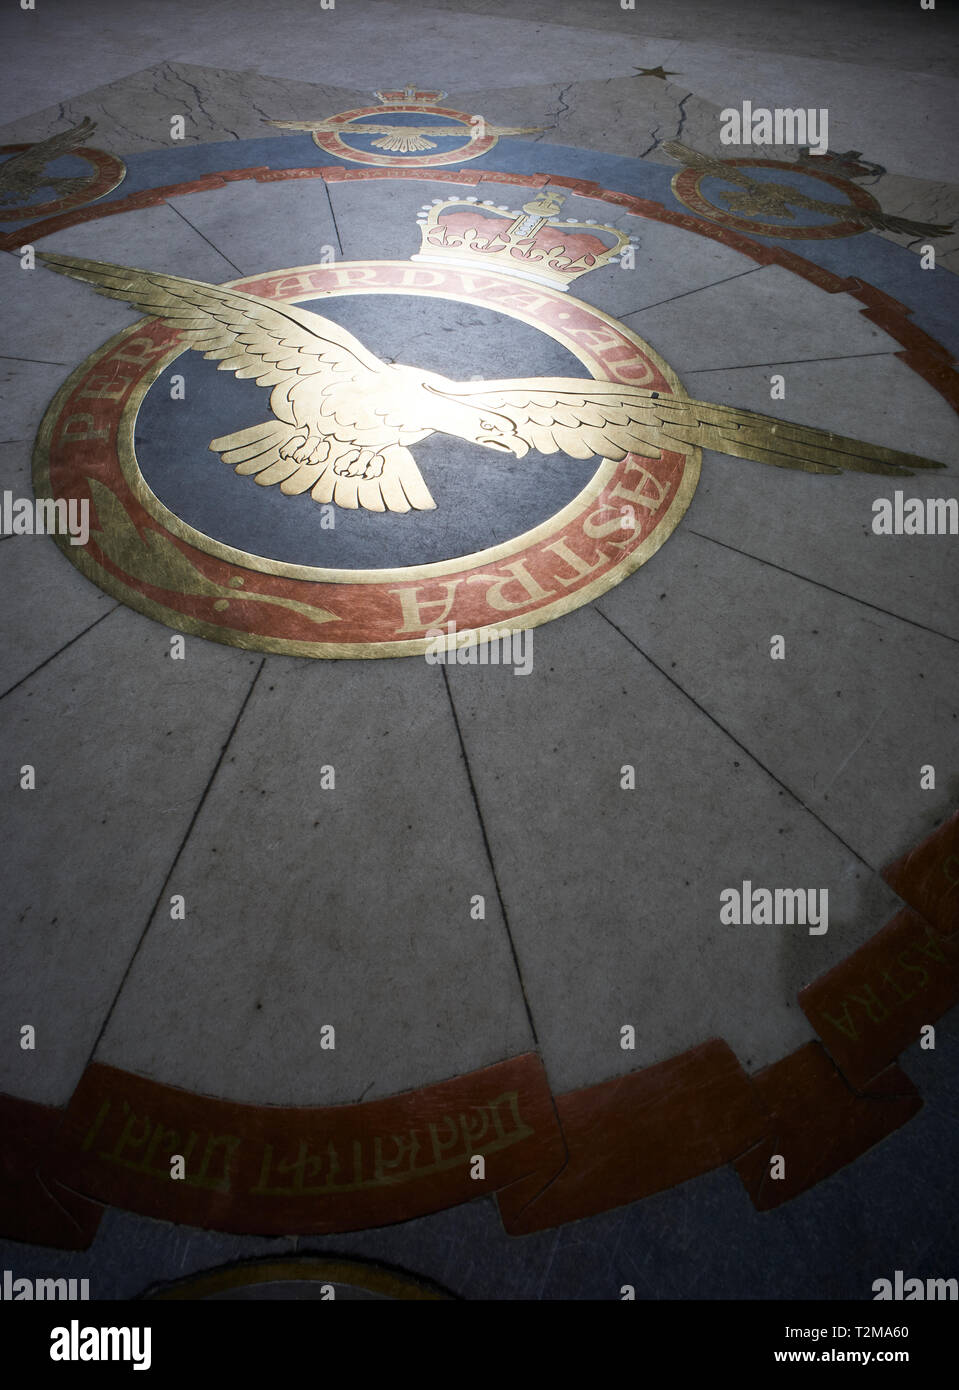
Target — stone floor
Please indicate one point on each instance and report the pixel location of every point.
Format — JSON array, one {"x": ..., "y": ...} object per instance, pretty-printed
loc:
[{"x": 351, "y": 907}]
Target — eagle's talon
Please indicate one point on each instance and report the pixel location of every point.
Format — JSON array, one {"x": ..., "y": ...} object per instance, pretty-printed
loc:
[
  {"x": 358, "y": 463},
  {"x": 309, "y": 449},
  {"x": 345, "y": 465},
  {"x": 293, "y": 445}
]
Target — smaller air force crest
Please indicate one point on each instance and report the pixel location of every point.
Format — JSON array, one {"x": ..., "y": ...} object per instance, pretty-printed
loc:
[
  {"x": 64, "y": 166},
  {"x": 409, "y": 127},
  {"x": 341, "y": 469}
]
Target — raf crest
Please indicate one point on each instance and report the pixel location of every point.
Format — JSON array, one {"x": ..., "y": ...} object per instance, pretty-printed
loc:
[{"x": 593, "y": 461}]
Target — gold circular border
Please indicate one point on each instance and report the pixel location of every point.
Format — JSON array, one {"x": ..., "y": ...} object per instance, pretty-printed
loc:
[
  {"x": 183, "y": 622},
  {"x": 108, "y": 168}
]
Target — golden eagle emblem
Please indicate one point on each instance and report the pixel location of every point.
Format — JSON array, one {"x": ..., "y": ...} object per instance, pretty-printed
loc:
[{"x": 344, "y": 421}]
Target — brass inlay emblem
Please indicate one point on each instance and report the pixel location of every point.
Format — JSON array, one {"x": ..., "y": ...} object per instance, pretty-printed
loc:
[
  {"x": 399, "y": 142},
  {"x": 24, "y": 172},
  {"x": 759, "y": 198},
  {"x": 343, "y": 422}
]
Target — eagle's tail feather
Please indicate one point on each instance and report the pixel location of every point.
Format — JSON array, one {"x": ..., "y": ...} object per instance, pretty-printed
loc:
[
  {"x": 253, "y": 449},
  {"x": 406, "y": 475}
]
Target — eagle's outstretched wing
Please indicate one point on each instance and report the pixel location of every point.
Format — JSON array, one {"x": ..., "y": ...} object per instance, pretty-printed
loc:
[
  {"x": 259, "y": 338},
  {"x": 276, "y": 344},
  {"x": 708, "y": 164},
  {"x": 584, "y": 418},
  {"x": 27, "y": 166}
]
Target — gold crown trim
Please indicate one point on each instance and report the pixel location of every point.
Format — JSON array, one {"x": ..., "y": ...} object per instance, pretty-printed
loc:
[{"x": 529, "y": 244}]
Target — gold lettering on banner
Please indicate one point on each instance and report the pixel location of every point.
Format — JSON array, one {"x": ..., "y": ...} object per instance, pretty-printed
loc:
[
  {"x": 312, "y": 1167},
  {"x": 474, "y": 284},
  {"x": 400, "y": 1167},
  {"x": 78, "y": 428},
  {"x": 635, "y": 492},
  {"x": 115, "y": 391},
  {"x": 504, "y": 1135},
  {"x": 613, "y": 352},
  {"x": 145, "y": 1147},
  {"x": 517, "y": 573},
  {"x": 305, "y": 1167},
  {"x": 289, "y": 286},
  {"x": 519, "y": 297},
  {"x": 875, "y": 1010},
  {"x": 139, "y": 350},
  {"x": 600, "y": 529},
  {"x": 422, "y": 279},
  {"x": 576, "y": 562},
  {"x": 445, "y": 1138},
  {"x": 319, "y": 1169},
  {"x": 94, "y": 1129},
  {"x": 358, "y": 275},
  {"x": 413, "y": 607}
]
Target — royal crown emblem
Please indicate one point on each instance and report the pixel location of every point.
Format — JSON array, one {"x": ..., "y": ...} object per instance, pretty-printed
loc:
[
  {"x": 410, "y": 95},
  {"x": 530, "y": 244}
]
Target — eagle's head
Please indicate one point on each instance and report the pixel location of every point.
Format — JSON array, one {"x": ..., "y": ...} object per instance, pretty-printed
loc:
[{"x": 451, "y": 414}]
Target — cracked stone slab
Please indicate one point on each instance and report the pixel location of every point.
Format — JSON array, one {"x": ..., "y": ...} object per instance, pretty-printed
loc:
[
  {"x": 891, "y": 116},
  {"x": 155, "y": 238},
  {"x": 667, "y": 261},
  {"x": 376, "y": 219},
  {"x": 15, "y": 467},
  {"x": 133, "y": 114},
  {"x": 922, "y": 200},
  {"x": 627, "y": 115}
]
